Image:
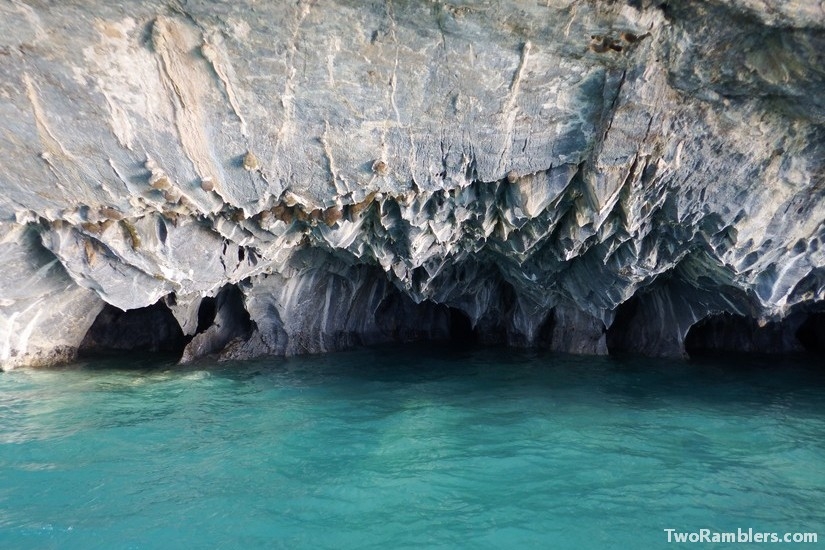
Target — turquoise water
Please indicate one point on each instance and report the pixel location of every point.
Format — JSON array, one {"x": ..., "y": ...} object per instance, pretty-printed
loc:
[{"x": 409, "y": 448}]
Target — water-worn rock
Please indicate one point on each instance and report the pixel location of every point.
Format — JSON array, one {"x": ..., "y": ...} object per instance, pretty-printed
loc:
[
  {"x": 44, "y": 315},
  {"x": 578, "y": 174}
]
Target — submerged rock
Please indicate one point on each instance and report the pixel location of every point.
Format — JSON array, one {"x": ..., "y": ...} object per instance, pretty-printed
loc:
[{"x": 586, "y": 176}]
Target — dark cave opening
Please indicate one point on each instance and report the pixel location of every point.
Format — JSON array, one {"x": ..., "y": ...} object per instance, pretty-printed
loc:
[
  {"x": 723, "y": 332},
  {"x": 462, "y": 332},
  {"x": 226, "y": 310},
  {"x": 726, "y": 332},
  {"x": 619, "y": 337},
  {"x": 221, "y": 320},
  {"x": 811, "y": 333},
  {"x": 147, "y": 329},
  {"x": 544, "y": 336},
  {"x": 206, "y": 313}
]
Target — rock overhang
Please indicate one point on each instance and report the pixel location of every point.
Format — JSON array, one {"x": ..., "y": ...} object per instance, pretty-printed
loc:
[{"x": 521, "y": 163}]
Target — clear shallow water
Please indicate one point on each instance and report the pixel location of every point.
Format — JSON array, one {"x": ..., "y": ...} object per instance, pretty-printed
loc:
[{"x": 409, "y": 448}]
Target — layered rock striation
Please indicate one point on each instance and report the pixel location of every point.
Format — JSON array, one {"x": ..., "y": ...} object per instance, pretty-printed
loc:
[{"x": 244, "y": 178}]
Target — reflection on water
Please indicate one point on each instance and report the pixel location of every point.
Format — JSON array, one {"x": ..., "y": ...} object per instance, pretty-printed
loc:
[{"x": 408, "y": 447}]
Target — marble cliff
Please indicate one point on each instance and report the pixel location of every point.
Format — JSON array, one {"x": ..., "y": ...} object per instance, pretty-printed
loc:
[{"x": 244, "y": 178}]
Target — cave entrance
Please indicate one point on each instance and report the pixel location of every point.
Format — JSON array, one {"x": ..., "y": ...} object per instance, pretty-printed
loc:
[
  {"x": 206, "y": 313},
  {"x": 544, "y": 338},
  {"x": 620, "y": 336},
  {"x": 147, "y": 329},
  {"x": 724, "y": 332},
  {"x": 462, "y": 332},
  {"x": 811, "y": 333}
]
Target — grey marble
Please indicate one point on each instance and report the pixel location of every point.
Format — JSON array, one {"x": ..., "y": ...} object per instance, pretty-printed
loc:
[{"x": 577, "y": 174}]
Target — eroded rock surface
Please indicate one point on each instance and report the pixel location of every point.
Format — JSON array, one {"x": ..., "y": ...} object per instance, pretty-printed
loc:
[{"x": 576, "y": 174}]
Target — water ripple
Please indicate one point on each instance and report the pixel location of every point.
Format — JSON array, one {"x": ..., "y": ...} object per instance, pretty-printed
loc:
[{"x": 407, "y": 448}]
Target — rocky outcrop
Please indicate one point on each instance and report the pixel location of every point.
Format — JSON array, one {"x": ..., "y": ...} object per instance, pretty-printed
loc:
[
  {"x": 293, "y": 177},
  {"x": 45, "y": 314}
]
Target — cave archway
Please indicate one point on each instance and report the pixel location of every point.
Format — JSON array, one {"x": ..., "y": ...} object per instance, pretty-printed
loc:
[
  {"x": 544, "y": 336},
  {"x": 462, "y": 332},
  {"x": 148, "y": 329},
  {"x": 811, "y": 333},
  {"x": 727, "y": 332},
  {"x": 620, "y": 335},
  {"x": 206, "y": 313},
  {"x": 723, "y": 332}
]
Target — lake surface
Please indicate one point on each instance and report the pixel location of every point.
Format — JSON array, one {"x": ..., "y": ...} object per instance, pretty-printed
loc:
[{"x": 410, "y": 447}]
